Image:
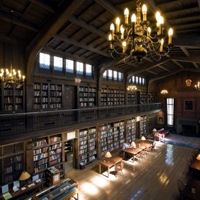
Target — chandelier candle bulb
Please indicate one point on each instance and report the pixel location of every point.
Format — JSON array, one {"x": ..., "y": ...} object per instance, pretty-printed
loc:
[
  {"x": 161, "y": 22},
  {"x": 170, "y": 33},
  {"x": 117, "y": 24},
  {"x": 112, "y": 29},
  {"x": 144, "y": 12},
  {"x": 133, "y": 20},
  {"x": 110, "y": 39},
  {"x": 126, "y": 15},
  {"x": 161, "y": 45}
]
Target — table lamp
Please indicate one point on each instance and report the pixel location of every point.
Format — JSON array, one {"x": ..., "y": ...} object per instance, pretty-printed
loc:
[
  {"x": 198, "y": 157},
  {"x": 24, "y": 176},
  {"x": 133, "y": 145},
  {"x": 108, "y": 155},
  {"x": 143, "y": 138}
]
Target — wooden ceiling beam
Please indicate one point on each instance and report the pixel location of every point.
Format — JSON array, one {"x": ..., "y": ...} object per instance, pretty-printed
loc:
[
  {"x": 192, "y": 59},
  {"x": 177, "y": 63},
  {"x": 45, "y": 6},
  {"x": 164, "y": 68},
  {"x": 79, "y": 44},
  {"x": 90, "y": 28},
  {"x": 189, "y": 41},
  {"x": 19, "y": 23},
  {"x": 164, "y": 75},
  {"x": 110, "y": 8},
  {"x": 185, "y": 51},
  {"x": 196, "y": 66}
]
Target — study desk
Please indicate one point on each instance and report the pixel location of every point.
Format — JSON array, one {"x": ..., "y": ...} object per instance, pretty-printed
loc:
[
  {"x": 144, "y": 143},
  {"x": 24, "y": 193},
  {"x": 132, "y": 151},
  {"x": 108, "y": 163},
  {"x": 192, "y": 189}
]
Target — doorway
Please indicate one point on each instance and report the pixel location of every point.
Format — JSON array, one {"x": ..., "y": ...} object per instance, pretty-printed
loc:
[{"x": 69, "y": 154}]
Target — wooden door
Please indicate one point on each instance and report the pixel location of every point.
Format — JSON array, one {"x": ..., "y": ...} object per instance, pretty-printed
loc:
[{"x": 69, "y": 100}]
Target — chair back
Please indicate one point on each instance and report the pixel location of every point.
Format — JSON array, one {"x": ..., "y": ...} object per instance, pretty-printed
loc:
[{"x": 181, "y": 185}]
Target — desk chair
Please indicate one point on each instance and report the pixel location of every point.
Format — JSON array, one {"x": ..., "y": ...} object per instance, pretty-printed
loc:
[
  {"x": 119, "y": 168},
  {"x": 154, "y": 146},
  {"x": 181, "y": 187}
]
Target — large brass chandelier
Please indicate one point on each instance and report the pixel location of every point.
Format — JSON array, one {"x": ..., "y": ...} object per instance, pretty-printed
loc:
[{"x": 134, "y": 38}]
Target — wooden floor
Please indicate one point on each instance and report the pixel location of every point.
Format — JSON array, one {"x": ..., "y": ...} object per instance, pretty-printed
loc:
[{"x": 153, "y": 178}]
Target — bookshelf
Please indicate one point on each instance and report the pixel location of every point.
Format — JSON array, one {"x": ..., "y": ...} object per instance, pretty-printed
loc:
[
  {"x": 12, "y": 162},
  {"x": 112, "y": 97},
  {"x": 55, "y": 98},
  {"x": 55, "y": 150},
  {"x": 46, "y": 152},
  {"x": 131, "y": 98},
  {"x": 40, "y": 155},
  {"x": 131, "y": 130},
  {"x": 112, "y": 136},
  {"x": 152, "y": 122},
  {"x": 12, "y": 97},
  {"x": 87, "y": 145},
  {"x": 87, "y": 97},
  {"x": 143, "y": 125},
  {"x": 47, "y": 96},
  {"x": 143, "y": 97},
  {"x": 152, "y": 97}
]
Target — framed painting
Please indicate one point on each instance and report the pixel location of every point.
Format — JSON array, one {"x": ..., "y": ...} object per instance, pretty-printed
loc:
[{"x": 188, "y": 105}]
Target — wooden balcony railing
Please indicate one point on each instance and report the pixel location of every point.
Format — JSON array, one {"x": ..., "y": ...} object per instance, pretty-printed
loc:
[{"x": 20, "y": 123}]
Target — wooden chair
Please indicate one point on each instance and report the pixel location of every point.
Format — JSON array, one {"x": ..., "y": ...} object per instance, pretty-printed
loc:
[
  {"x": 154, "y": 146},
  {"x": 149, "y": 149},
  {"x": 119, "y": 168},
  {"x": 181, "y": 187}
]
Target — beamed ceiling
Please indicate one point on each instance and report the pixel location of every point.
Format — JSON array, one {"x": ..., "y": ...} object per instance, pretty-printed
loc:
[{"x": 79, "y": 29}]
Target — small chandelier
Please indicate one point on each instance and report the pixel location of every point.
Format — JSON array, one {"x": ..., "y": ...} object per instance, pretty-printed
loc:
[
  {"x": 77, "y": 80},
  {"x": 11, "y": 76},
  {"x": 164, "y": 91},
  {"x": 134, "y": 40},
  {"x": 131, "y": 88},
  {"x": 197, "y": 86}
]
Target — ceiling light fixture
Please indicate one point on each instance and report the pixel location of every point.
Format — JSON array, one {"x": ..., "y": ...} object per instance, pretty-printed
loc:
[
  {"x": 164, "y": 91},
  {"x": 11, "y": 75},
  {"x": 136, "y": 39}
]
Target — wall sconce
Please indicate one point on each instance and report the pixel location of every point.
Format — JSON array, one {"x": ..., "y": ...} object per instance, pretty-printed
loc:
[
  {"x": 188, "y": 82},
  {"x": 77, "y": 80},
  {"x": 197, "y": 86},
  {"x": 164, "y": 91}
]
